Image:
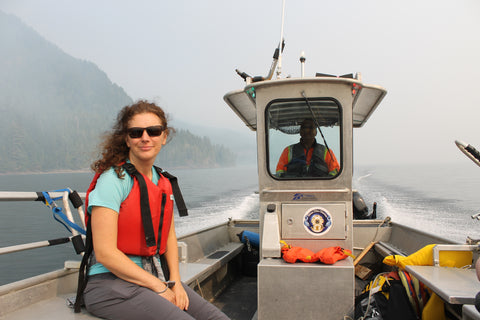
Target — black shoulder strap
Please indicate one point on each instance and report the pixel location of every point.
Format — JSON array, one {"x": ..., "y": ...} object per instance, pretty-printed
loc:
[
  {"x": 82, "y": 272},
  {"x": 182, "y": 208},
  {"x": 144, "y": 204}
]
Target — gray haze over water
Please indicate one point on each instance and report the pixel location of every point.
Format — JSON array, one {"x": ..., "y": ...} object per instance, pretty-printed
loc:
[{"x": 183, "y": 54}]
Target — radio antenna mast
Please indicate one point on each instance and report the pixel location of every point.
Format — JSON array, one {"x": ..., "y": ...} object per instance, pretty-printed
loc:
[{"x": 279, "y": 67}]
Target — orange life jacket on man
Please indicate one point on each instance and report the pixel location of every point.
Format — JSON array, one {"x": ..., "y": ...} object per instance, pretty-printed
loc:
[{"x": 298, "y": 161}]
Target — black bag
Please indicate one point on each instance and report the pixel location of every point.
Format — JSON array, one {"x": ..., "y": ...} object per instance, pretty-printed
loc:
[
  {"x": 375, "y": 310},
  {"x": 399, "y": 307},
  {"x": 396, "y": 307}
]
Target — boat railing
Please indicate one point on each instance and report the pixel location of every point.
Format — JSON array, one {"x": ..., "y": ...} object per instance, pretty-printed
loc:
[{"x": 48, "y": 198}]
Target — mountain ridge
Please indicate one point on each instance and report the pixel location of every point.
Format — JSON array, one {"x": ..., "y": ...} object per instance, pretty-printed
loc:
[{"x": 56, "y": 108}]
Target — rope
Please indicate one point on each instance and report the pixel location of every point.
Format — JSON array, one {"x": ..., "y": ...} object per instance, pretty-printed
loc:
[
  {"x": 385, "y": 221},
  {"x": 200, "y": 288}
]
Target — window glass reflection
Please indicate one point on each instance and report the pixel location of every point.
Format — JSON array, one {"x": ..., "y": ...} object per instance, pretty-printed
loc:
[{"x": 304, "y": 139}]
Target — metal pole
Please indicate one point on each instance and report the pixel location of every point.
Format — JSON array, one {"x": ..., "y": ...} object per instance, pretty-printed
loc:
[
  {"x": 279, "y": 67},
  {"x": 33, "y": 245},
  {"x": 302, "y": 62},
  {"x": 68, "y": 212}
]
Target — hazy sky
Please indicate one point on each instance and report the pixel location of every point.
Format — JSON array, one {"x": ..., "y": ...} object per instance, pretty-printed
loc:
[{"x": 183, "y": 54}]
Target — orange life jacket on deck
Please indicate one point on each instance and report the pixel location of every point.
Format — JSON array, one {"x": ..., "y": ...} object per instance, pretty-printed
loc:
[{"x": 328, "y": 255}]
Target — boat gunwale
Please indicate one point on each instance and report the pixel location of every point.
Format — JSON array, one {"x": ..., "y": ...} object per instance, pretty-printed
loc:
[
  {"x": 230, "y": 222},
  {"x": 35, "y": 280},
  {"x": 426, "y": 234}
]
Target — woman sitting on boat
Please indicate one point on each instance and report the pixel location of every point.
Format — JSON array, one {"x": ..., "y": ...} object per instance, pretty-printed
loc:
[
  {"x": 307, "y": 158},
  {"x": 128, "y": 195}
]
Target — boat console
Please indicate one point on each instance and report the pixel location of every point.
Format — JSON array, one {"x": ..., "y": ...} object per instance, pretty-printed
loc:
[{"x": 305, "y": 164}]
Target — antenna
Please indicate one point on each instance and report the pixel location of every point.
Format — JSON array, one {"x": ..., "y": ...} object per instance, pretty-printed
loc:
[
  {"x": 277, "y": 58},
  {"x": 302, "y": 62},
  {"x": 279, "y": 67}
]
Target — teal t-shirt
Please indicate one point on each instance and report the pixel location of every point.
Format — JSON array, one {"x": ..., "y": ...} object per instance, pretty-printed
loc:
[{"x": 110, "y": 191}]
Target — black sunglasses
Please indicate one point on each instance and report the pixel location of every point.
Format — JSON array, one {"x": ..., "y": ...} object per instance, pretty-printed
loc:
[{"x": 137, "y": 132}]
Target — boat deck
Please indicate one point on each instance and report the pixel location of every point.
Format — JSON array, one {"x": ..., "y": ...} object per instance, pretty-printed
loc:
[
  {"x": 239, "y": 302},
  {"x": 47, "y": 296},
  {"x": 54, "y": 308}
]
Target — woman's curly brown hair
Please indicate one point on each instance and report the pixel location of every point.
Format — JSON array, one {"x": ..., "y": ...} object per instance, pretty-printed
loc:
[{"x": 114, "y": 150}]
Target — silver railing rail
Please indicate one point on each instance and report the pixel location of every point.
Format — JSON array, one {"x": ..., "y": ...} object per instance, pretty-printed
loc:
[
  {"x": 37, "y": 196},
  {"x": 29, "y": 196}
]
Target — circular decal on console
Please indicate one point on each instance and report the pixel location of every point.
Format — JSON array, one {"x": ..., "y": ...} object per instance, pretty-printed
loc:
[{"x": 317, "y": 221}]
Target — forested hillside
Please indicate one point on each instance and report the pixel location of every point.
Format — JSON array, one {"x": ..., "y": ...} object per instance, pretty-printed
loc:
[
  {"x": 194, "y": 151},
  {"x": 54, "y": 108}
]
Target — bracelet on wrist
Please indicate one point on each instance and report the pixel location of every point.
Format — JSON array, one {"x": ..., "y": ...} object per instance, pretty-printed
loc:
[
  {"x": 169, "y": 284},
  {"x": 159, "y": 292}
]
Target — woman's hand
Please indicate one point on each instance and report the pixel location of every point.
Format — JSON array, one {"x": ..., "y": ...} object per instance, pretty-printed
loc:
[
  {"x": 181, "y": 298},
  {"x": 169, "y": 295}
]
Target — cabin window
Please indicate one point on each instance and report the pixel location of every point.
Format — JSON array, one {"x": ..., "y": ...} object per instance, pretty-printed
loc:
[{"x": 304, "y": 138}]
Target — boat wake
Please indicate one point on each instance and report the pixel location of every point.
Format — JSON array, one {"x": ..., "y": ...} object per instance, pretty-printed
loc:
[
  {"x": 364, "y": 176},
  {"x": 218, "y": 211},
  {"x": 438, "y": 221}
]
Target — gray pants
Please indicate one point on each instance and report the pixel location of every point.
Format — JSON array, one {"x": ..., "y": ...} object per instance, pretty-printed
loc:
[{"x": 110, "y": 297}]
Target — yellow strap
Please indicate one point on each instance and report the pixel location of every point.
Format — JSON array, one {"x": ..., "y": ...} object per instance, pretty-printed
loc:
[
  {"x": 285, "y": 244},
  {"x": 345, "y": 252}
]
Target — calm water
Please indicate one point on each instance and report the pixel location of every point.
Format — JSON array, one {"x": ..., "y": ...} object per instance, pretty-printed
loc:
[
  {"x": 435, "y": 198},
  {"x": 212, "y": 196}
]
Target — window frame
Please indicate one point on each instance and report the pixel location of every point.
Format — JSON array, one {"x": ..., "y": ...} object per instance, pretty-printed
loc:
[{"x": 267, "y": 137}]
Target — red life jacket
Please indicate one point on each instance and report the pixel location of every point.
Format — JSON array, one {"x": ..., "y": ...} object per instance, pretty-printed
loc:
[
  {"x": 131, "y": 234},
  {"x": 138, "y": 224}
]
